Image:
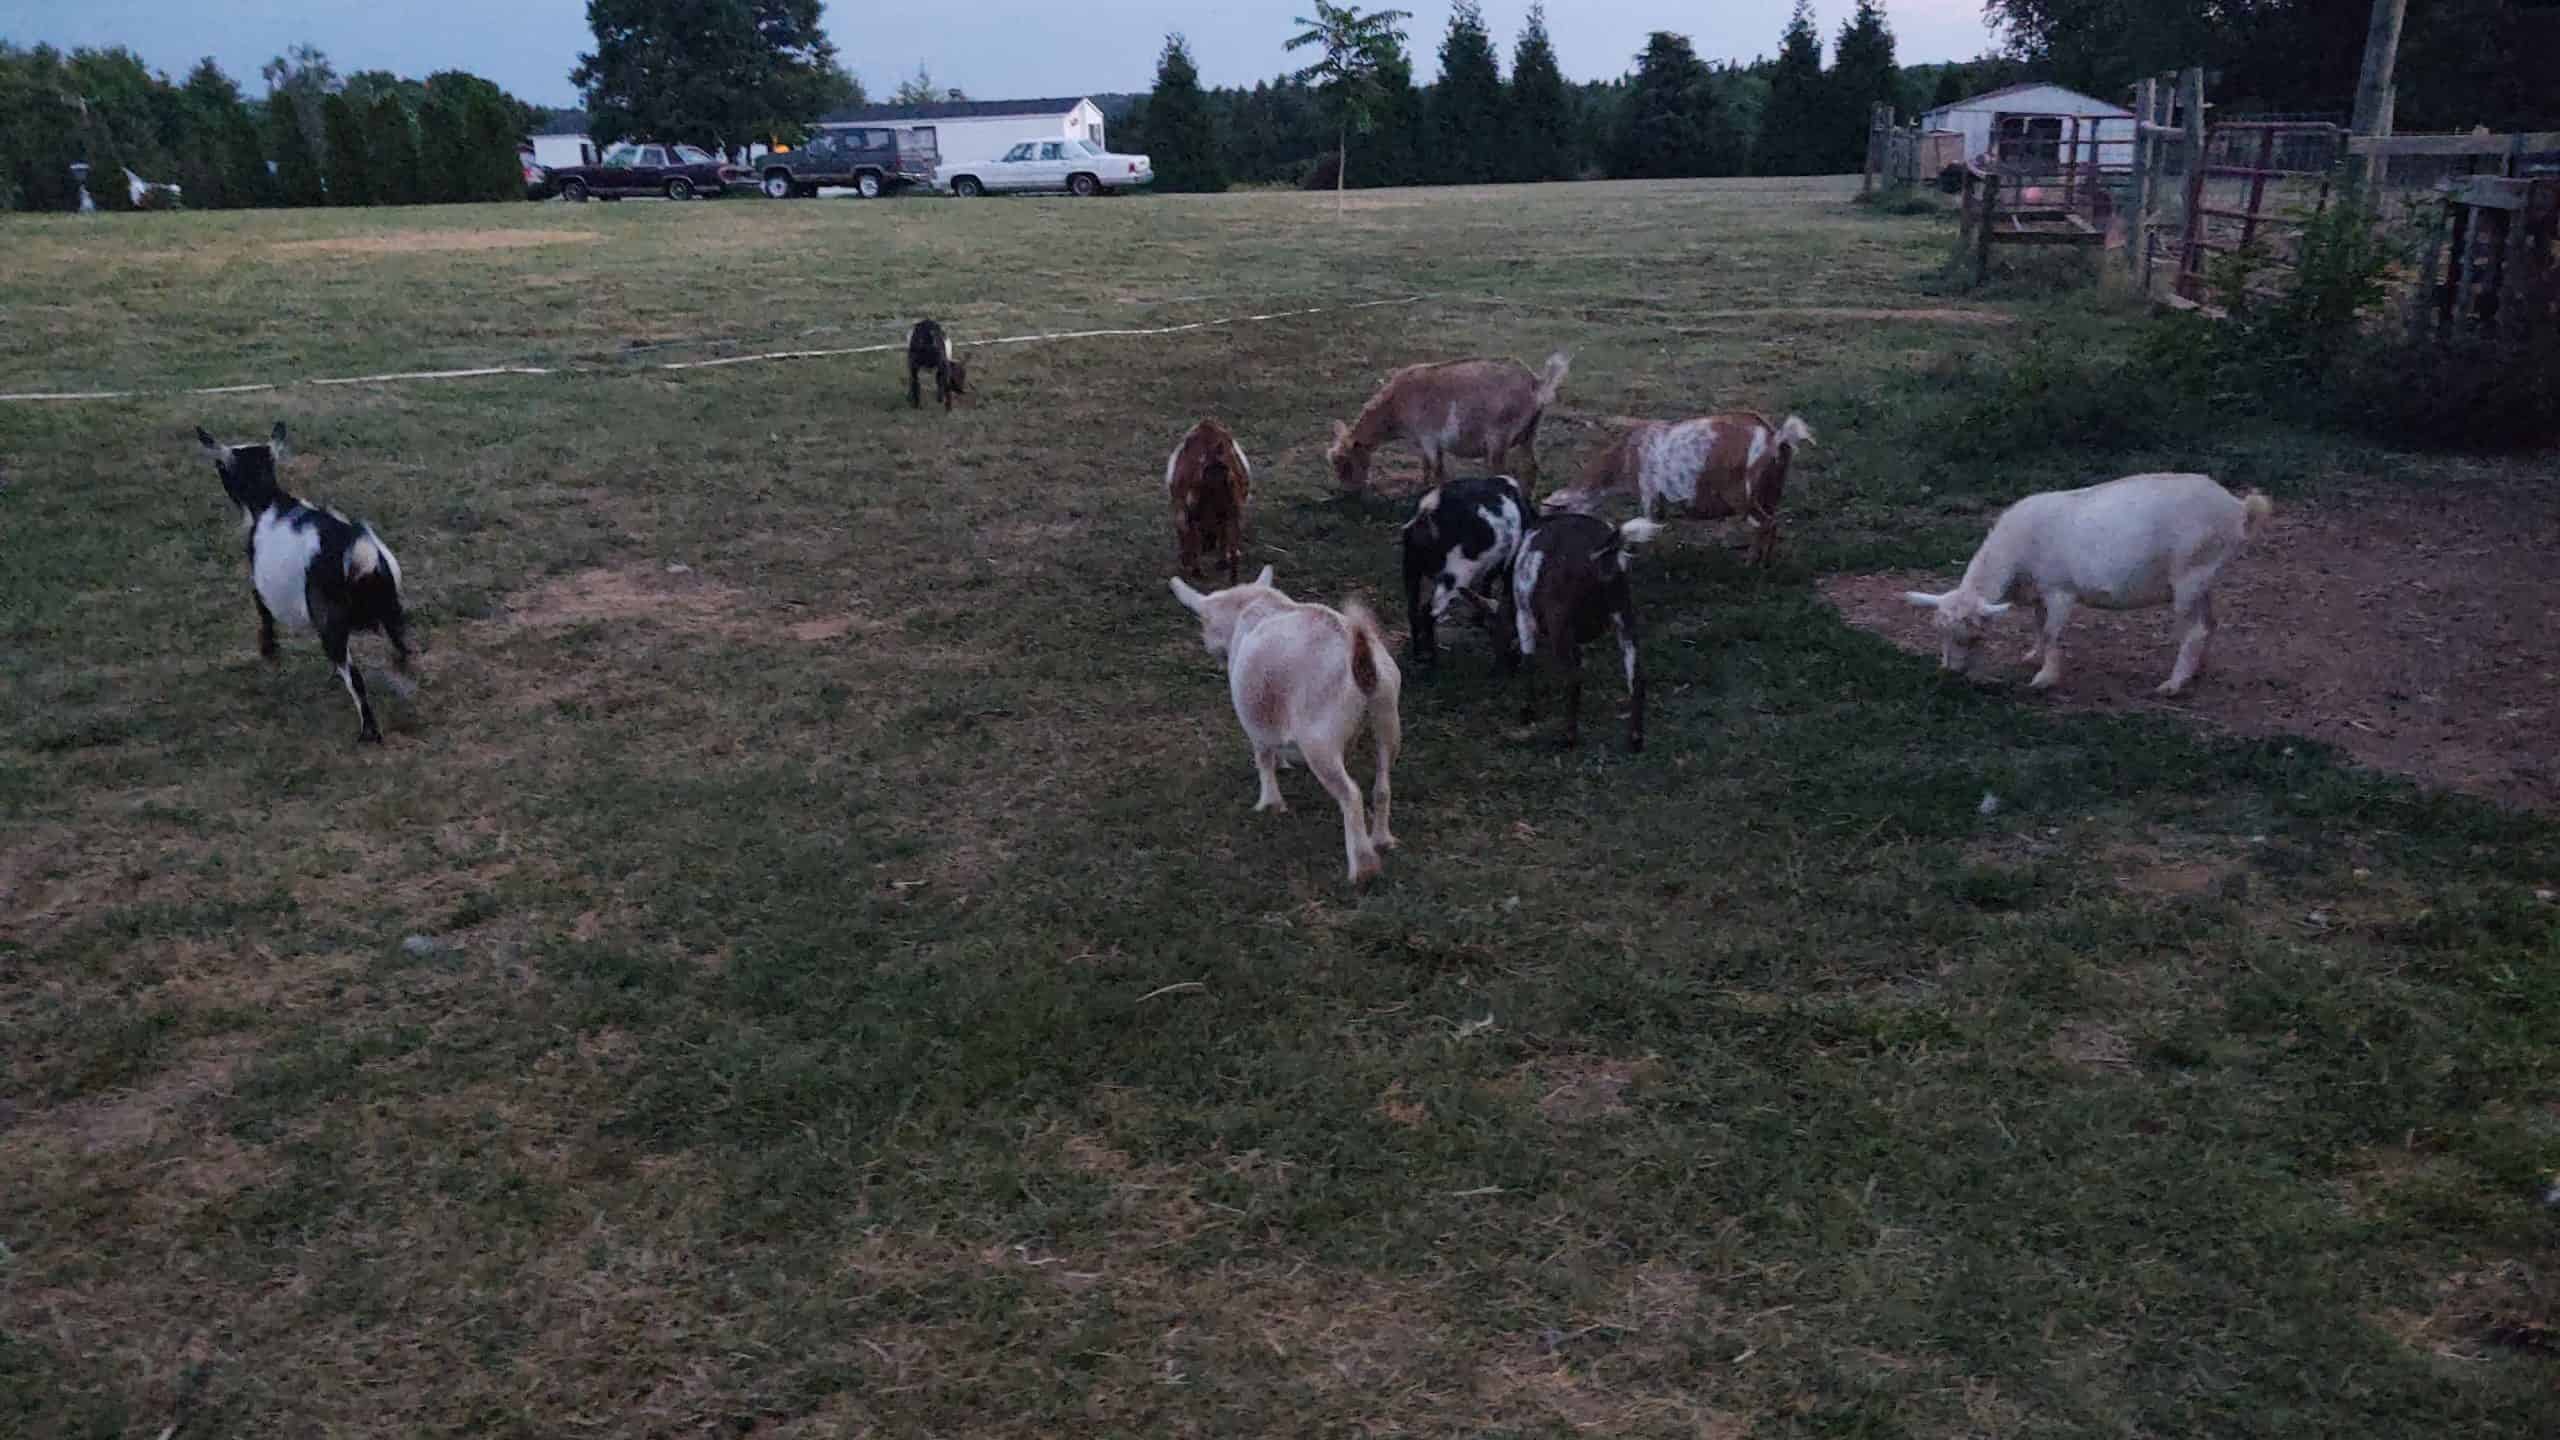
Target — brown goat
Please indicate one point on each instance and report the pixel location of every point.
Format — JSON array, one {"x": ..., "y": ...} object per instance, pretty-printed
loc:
[
  {"x": 1713, "y": 466},
  {"x": 1472, "y": 409},
  {"x": 1208, "y": 480}
]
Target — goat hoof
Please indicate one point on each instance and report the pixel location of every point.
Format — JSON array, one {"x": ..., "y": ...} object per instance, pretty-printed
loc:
[
  {"x": 1366, "y": 870},
  {"x": 2170, "y": 690},
  {"x": 369, "y": 737},
  {"x": 2044, "y": 682}
]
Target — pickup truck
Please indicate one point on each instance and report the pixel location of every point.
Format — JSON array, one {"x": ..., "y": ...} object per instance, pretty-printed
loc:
[
  {"x": 872, "y": 159},
  {"x": 678, "y": 172}
]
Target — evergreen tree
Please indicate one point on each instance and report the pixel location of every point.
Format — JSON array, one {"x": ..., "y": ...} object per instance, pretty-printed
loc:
[
  {"x": 1468, "y": 128},
  {"x": 1180, "y": 135},
  {"x": 1863, "y": 76},
  {"x": 1666, "y": 128},
  {"x": 350, "y": 176},
  {"x": 1403, "y": 134},
  {"x": 244, "y": 161},
  {"x": 1793, "y": 126},
  {"x": 297, "y": 165},
  {"x": 491, "y": 168},
  {"x": 443, "y": 147},
  {"x": 1541, "y": 108},
  {"x": 392, "y": 145},
  {"x": 1950, "y": 87},
  {"x": 210, "y": 104}
]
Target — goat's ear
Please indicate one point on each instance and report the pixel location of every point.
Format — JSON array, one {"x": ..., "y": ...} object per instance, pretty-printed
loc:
[
  {"x": 213, "y": 449},
  {"x": 276, "y": 439},
  {"x": 1923, "y": 599},
  {"x": 1191, "y": 599},
  {"x": 1264, "y": 578}
]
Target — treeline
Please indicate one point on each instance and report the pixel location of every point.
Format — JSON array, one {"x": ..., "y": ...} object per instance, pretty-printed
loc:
[
  {"x": 1674, "y": 114},
  {"x": 372, "y": 138}
]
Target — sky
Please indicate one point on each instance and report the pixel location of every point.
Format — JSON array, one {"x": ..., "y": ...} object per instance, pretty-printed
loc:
[{"x": 993, "y": 49}]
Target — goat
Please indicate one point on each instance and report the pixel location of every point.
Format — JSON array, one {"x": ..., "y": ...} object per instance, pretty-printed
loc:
[
  {"x": 1472, "y": 409},
  {"x": 1208, "y": 480},
  {"x": 1460, "y": 541},
  {"x": 1712, "y": 466},
  {"x": 312, "y": 568},
  {"x": 2129, "y": 544},
  {"x": 1303, "y": 678},
  {"x": 1569, "y": 585},
  {"x": 928, "y": 348}
]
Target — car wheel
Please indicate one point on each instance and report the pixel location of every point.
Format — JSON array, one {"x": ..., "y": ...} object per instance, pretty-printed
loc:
[
  {"x": 779, "y": 186},
  {"x": 679, "y": 189},
  {"x": 1083, "y": 186},
  {"x": 869, "y": 185},
  {"x": 574, "y": 191},
  {"x": 967, "y": 187}
]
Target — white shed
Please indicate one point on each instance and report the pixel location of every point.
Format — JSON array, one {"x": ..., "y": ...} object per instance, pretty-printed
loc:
[
  {"x": 2110, "y": 125},
  {"x": 969, "y": 132}
]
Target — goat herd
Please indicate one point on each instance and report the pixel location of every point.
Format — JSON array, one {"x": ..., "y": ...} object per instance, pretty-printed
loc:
[{"x": 1553, "y": 577}]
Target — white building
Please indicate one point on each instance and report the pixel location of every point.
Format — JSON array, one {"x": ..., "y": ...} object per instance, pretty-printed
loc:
[
  {"x": 971, "y": 132},
  {"x": 2110, "y": 125}
]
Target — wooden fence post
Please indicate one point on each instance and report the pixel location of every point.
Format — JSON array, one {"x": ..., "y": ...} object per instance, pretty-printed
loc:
[
  {"x": 2374, "y": 92},
  {"x": 1982, "y": 235}
]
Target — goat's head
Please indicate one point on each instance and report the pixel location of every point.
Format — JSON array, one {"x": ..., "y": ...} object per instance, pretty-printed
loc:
[
  {"x": 1219, "y": 612},
  {"x": 959, "y": 371},
  {"x": 1350, "y": 458},
  {"x": 248, "y": 471},
  {"x": 1962, "y": 618}
]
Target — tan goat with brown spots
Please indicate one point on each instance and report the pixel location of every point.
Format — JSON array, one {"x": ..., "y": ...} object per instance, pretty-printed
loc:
[
  {"x": 1472, "y": 409},
  {"x": 1713, "y": 466}
]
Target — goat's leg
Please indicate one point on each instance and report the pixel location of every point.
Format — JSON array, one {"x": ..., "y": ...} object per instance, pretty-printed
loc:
[
  {"x": 1764, "y": 540},
  {"x": 1358, "y": 851},
  {"x": 1566, "y": 656},
  {"x": 2196, "y": 625},
  {"x": 1387, "y": 730},
  {"x": 1634, "y": 664},
  {"x": 333, "y": 642},
  {"x": 2035, "y": 642},
  {"x": 397, "y": 632},
  {"x": 2055, "y": 609},
  {"x": 1266, "y": 764},
  {"x": 915, "y": 387},
  {"x": 266, "y": 626},
  {"x": 1420, "y": 625}
]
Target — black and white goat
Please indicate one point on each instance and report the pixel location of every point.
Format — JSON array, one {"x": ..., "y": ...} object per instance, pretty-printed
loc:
[
  {"x": 929, "y": 348},
  {"x": 1568, "y": 587},
  {"x": 310, "y": 568},
  {"x": 1461, "y": 541}
]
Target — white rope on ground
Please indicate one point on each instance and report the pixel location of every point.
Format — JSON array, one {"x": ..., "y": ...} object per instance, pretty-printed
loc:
[{"x": 766, "y": 357}]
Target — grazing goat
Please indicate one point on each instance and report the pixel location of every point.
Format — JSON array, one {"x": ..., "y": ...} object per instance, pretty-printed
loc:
[
  {"x": 2129, "y": 544},
  {"x": 1472, "y": 409},
  {"x": 311, "y": 568},
  {"x": 1713, "y": 466},
  {"x": 1208, "y": 480},
  {"x": 928, "y": 348},
  {"x": 1568, "y": 586},
  {"x": 1460, "y": 541},
  {"x": 1303, "y": 678}
]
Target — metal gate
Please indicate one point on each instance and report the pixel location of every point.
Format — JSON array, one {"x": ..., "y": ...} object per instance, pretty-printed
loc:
[{"x": 2257, "y": 184}]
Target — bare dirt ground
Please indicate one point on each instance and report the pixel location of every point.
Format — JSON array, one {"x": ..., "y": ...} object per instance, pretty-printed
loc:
[{"x": 2419, "y": 637}]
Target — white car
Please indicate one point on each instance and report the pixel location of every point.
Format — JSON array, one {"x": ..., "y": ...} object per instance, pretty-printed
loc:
[{"x": 1079, "y": 167}]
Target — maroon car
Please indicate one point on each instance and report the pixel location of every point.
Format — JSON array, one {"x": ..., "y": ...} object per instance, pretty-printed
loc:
[{"x": 678, "y": 172}]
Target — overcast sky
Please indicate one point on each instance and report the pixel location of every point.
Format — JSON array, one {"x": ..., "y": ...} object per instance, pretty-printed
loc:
[{"x": 993, "y": 49}]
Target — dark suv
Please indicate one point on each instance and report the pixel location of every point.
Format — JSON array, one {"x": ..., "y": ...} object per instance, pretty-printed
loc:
[{"x": 872, "y": 159}]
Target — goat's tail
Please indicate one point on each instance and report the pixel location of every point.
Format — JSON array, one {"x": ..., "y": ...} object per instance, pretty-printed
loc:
[
  {"x": 1551, "y": 379},
  {"x": 1795, "y": 432},
  {"x": 2256, "y": 509},
  {"x": 1366, "y": 641},
  {"x": 363, "y": 557}
]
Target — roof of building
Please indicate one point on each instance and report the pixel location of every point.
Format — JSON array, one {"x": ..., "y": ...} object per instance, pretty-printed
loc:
[
  {"x": 2096, "y": 106},
  {"x": 953, "y": 110}
]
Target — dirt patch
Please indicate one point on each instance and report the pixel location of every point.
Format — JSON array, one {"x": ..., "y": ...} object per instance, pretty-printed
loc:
[
  {"x": 2418, "y": 636},
  {"x": 135, "y": 1118},
  {"x": 680, "y": 600},
  {"x": 1579, "y": 1090},
  {"x": 2099, "y": 1049},
  {"x": 2504, "y": 1309},
  {"x": 429, "y": 242}
]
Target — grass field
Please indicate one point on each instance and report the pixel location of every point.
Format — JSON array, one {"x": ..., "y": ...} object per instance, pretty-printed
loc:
[{"x": 804, "y": 964}]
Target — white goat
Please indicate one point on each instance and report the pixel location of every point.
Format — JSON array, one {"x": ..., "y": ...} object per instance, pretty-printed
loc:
[
  {"x": 2129, "y": 544},
  {"x": 1303, "y": 678}
]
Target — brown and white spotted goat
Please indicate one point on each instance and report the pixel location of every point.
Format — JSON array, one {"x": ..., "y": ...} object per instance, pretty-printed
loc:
[
  {"x": 1208, "y": 480},
  {"x": 1710, "y": 467},
  {"x": 1568, "y": 587},
  {"x": 929, "y": 349},
  {"x": 1304, "y": 678},
  {"x": 1472, "y": 409}
]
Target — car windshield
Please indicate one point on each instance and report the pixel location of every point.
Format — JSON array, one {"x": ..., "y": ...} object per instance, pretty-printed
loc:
[{"x": 692, "y": 156}]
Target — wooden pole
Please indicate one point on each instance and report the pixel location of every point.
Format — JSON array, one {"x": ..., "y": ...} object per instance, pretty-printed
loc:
[
  {"x": 1990, "y": 217},
  {"x": 2373, "y": 81},
  {"x": 2145, "y": 97}
]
